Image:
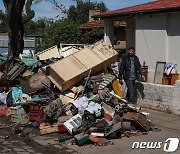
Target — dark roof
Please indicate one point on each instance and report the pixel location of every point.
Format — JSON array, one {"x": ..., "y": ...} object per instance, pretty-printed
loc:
[
  {"x": 155, "y": 6},
  {"x": 100, "y": 24}
]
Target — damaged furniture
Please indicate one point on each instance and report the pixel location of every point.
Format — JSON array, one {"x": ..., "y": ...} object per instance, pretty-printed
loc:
[{"x": 72, "y": 69}]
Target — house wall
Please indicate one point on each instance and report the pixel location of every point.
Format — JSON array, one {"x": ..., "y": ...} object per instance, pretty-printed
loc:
[
  {"x": 109, "y": 31},
  {"x": 174, "y": 38},
  {"x": 157, "y": 39},
  {"x": 151, "y": 39},
  {"x": 130, "y": 33}
]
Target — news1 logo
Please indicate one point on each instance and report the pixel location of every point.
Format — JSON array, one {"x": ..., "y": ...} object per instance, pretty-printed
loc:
[{"x": 170, "y": 145}]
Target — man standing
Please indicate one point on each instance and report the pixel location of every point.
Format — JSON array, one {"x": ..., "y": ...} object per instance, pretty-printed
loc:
[{"x": 129, "y": 68}]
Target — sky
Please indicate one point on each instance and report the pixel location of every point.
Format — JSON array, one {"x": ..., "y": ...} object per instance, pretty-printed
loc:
[{"x": 45, "y": 8}]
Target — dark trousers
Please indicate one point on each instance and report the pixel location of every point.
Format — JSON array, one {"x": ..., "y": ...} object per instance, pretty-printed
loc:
[{"x": 130, "y": 91}]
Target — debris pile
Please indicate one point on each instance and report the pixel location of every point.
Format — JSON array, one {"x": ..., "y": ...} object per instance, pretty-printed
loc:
[{"x": 77, "y": 96}]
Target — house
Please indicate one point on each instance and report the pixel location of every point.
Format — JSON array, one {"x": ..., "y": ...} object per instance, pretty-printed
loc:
[
  {"x": 119, "y": 29},
  {"x": 153, "y": 28}
]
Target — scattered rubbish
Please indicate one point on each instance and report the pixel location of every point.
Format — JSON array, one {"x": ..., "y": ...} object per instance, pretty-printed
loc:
[
  {"x": 138, "y": 119},
  {"x": 81, "y": 138},
  {"x": 17, "y": 69},
  {"x": 145, "y": 113},
  {"x": 5, "y": 137},
  {"x": 99, "y": 134},
  {"x": 32, "y": 84},
  {"x": 35, "y": 112},
  {"x": 71, "y": 92},
  {"x": 53, "y": 110},
  {"x": 49, "y": 129},
  {"x": 116, "y": 88},
  {"x": 73, "y": 123},
  {"x": 18, "y": 114},
  {"x": 156, "y": 128},
  {"x": 2, "y": 110},
  {"x": 3, "y": 98}
]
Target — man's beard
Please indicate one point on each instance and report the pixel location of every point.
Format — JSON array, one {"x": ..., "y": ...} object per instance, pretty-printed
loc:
[{"x": 131, "y": 55}]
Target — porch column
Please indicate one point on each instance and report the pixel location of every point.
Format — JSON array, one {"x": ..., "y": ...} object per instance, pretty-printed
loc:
[{"x": 109, "y": 31}]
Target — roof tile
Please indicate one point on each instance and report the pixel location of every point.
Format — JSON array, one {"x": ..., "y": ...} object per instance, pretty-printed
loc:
[{"x": 159, "y": 4}]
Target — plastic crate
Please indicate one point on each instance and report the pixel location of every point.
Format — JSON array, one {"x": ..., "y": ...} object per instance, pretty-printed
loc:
[
  {"x": 35, "y": 112},
  {"x": 18, "y": 114},
  {"x": 18, "y": 119}
]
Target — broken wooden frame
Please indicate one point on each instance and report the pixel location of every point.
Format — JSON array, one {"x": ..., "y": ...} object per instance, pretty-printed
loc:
[{"x": 158, "y": 76}]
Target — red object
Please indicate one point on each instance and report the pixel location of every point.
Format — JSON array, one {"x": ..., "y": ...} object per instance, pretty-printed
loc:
[
  {"x": 2, "y": 110},
  {"x": 8, "y": 112},
  {"x": 61, "y": 128},
  {"x": 107, "y": 116},
  {"x": 94, "y": 139},
  {"x": 35, "y": 112},
  {"x": 150, "y": 6},
  {"x": 42, "y": 125}
]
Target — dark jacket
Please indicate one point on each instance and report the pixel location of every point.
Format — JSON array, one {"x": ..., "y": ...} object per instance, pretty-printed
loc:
[{"x": 125, "y": 67}]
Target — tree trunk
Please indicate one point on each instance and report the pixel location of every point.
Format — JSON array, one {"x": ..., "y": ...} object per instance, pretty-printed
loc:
[
  {"x": 16, "y": 29},
  {"x": 14, "y": 9}
]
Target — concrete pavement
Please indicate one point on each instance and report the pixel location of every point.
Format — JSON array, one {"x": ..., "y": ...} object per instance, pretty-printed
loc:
[{"x": 168, "y": 123}]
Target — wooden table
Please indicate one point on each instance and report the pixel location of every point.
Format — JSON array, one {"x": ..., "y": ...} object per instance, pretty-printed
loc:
[{"x": 170, "y": 79}]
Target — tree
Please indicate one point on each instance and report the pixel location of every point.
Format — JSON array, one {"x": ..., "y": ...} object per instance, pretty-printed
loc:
[
  {"x": 3, "y": 22},
  {"x": 63, "y": 31},
  {"x": 67, "y": 30},
  {"x": 14, "y": 10},
  {"x": 80, "y": 12},
  {"x": 16, "y": 21},
  {"x": 37, "y": 27}
]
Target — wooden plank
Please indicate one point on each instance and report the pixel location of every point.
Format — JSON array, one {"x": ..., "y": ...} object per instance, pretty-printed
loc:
[
  {"x": 49, "y": 129},
  {"x": 68, "y": 68},
  {"x": 88, "y": 58},
  {"x": 139, "y": 120}
]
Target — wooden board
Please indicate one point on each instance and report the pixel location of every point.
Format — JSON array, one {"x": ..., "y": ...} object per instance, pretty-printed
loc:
[
  {"x": 139, "y": 120},
  {"x": 68, "y": 68},
  {"x": 72, "y": 69},
  {"x": 49, "y": 129},
  {"x": 88, "y": 58},
  {"x": 175, "y": 76}
]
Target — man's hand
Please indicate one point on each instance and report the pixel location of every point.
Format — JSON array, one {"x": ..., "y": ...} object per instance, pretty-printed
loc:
[{"x": 121, "y": 82}]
